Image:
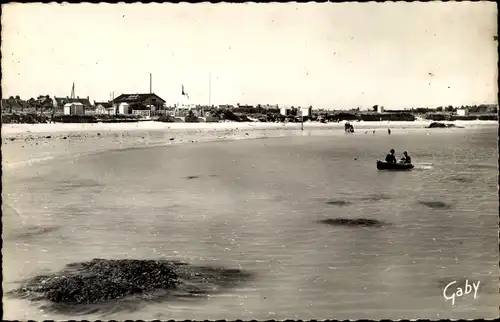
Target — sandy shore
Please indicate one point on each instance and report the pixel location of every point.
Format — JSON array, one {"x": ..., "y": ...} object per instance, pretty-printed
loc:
[
  {"x": 26, "y": 144},
  {"x": 12, "y": 129}
]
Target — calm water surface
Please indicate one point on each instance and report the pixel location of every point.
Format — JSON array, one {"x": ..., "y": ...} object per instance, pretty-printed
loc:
[{"x": 256, "y": 205}]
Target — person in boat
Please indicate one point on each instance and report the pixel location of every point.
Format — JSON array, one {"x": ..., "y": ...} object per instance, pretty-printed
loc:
[
  {"x": 406, "y": 158},
  {"x": 390, "y": 158}
]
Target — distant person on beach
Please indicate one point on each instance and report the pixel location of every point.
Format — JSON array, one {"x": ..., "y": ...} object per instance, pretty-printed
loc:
[
  {"x": 373, "y": 131},
  {"x": 349, "y": 128},
  {"x": 389, "y": 131},
  {"x": 406, "y": 158},
  {"x": 390, "y": 158}
]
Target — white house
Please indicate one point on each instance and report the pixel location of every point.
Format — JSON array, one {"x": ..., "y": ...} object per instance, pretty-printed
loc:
[
  {"x": 462, "y": 111},
  {"x": 285, "y": 110},
  {"x": 100, "y": 110},
  {"x": 380, "y": 109},
  {"x": 305, "y": 111},
  {"x": 124, "y": 108},
  {"x": 104, "y": 108},
  {"x": 74, "y": 108}
]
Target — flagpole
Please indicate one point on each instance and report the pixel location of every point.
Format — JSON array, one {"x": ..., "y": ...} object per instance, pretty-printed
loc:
[
  {"x": 150, "y": 91},
  {"x": 301, "y": 119}
]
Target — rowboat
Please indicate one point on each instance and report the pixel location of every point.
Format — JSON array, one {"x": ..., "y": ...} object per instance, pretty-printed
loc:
[{"x": 382, "y": 165}]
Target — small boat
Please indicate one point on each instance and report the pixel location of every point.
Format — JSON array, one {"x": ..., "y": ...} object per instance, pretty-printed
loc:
[{"x": 382, "y": 165}]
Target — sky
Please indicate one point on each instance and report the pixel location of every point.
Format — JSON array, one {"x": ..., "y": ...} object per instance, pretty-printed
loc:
[{"x": 334, "y": 56}]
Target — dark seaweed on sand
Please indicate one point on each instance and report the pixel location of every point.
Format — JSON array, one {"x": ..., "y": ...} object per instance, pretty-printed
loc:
[
  {"x": 435, "y": 204},
  {"x": 360, "y": 222},
  {"x": 84, "y": 287},
  {"x": 338, "y": 203}
]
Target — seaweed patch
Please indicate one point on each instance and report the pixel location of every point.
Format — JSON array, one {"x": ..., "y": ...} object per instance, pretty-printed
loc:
[
  {"x": 360, "y": 222},
  {"x": 435, "y": 204},
  {"x": 338, "y": 203},
  {"x": 103, "y": 285}
]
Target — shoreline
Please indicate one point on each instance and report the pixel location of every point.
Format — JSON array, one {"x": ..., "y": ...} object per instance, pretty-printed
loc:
[
  {"x": 28, "y": 144},
  {"x": 9, "y": 129}
]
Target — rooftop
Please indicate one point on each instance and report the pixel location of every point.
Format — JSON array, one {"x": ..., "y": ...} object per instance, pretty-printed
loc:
[
  {"x": 65, "y": 100},
  {"x": 137, "y": 98}
]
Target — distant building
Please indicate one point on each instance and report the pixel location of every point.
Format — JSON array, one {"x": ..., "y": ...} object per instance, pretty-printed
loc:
[
  {"x": 185, "y": 111},
  {"x": 104, "y": 108},
  {"x": 226, "y": 106},
  {"x": 123, "y": 108},
  {"x": 270, "y": 107},
  {"x": 380, "y": 109},
  {"x": 245, "y": 106},
  {"x": 75, "y": 108},
  {"x": 190, "y": 107},
  {"x": 127, "y": 103},
  {"x": 168, "y": 110},
  {"x": 285, "y": 111},
  {"x": 62, "y": 101},
  {"x": 306, "y": 111},
  {"x": 491, "y": 108},
  {"x": 209, "y": 118},
  {"x": 462, "y": 112}
]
